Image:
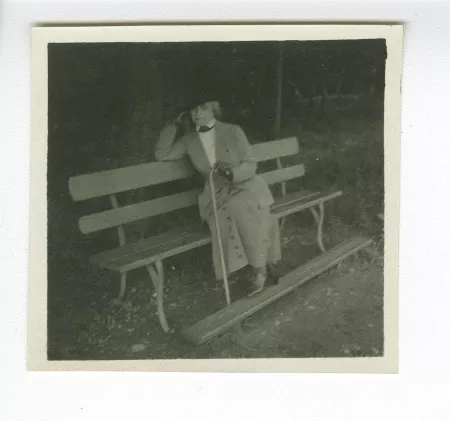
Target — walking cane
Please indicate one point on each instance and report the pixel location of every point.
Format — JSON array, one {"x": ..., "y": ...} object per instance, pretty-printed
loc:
[{"x": 219, "y": 237}]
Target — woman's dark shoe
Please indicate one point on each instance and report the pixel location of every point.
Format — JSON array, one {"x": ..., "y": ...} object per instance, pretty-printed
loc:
[{"x": 274, "y": 275}]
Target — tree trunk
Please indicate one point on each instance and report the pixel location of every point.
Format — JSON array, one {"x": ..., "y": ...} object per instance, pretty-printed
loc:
[
  {"x": 279, "y": 106},
  {"x": 324, "y": 88}
]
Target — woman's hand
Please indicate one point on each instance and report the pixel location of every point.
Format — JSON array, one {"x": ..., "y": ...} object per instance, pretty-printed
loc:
[
  {"x": 224, "y": 170},
  {"x": 178, "y": 120}
]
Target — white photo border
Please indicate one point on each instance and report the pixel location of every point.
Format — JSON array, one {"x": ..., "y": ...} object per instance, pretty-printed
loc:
[{"x": 37, "y": 288}]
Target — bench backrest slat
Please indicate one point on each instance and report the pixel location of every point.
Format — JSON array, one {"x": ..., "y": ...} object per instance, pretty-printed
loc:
[
  {"x": 276, "y": 149},
  {"x": 126, "y": 214},
  {"x": 130, "y": 178},
  {"x": 284, "y": 174},
  {"x": 105, "y": 183}
]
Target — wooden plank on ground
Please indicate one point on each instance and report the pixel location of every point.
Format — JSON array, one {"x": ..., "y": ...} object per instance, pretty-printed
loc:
[{"x": 215, "y": 324}]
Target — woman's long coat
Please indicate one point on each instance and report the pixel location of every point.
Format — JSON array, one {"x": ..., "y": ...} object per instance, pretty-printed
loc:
[{"x": 249, "y": 232}]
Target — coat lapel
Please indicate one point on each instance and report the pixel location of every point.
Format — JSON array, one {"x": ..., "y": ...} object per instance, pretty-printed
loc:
[
  {"x": 221, "y": 143},
  {"x": 223, "y": 152}
]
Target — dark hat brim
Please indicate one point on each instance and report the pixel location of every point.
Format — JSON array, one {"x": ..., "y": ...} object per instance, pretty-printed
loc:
[{"x": 199, "y": 94}]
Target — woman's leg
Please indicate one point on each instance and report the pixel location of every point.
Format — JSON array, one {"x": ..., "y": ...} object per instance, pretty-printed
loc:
[
  {"x": 235, "y": 256},
  {"x": 258, "y": 234},
  {"x": 249, "y": 235}
]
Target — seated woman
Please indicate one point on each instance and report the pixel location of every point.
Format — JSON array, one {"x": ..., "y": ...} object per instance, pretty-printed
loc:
[{"x": 249, "y": 233}]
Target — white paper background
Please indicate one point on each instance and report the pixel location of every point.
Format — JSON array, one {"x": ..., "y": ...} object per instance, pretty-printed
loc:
[{"x": 419, "y": 392}]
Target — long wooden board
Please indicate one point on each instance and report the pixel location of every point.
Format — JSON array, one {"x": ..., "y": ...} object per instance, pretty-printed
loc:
[
  {"x": 276, "y": 149},
  {"x": 126, "y": 214},
  {"x": 281, "y": 209},
  {"x": 103, "y": 183},
  {"x": 284, "y": 174},
  {"x": 217, "y": 323},
  {"x": 149, "y": 250}
]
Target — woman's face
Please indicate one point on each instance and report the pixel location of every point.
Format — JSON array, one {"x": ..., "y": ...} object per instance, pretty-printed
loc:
[{"x": 202, "y": 114}]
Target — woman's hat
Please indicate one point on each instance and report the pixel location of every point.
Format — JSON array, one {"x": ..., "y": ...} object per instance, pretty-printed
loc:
[{"x": 200, "y": 95}]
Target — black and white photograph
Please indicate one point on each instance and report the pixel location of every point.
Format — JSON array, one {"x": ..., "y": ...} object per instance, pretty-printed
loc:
[{"x": 217, "y": 197}]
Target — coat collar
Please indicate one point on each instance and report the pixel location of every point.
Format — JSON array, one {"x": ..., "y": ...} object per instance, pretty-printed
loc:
[
  {"x": 220, "y": 129},
  {"x": 210, "y": 124}
]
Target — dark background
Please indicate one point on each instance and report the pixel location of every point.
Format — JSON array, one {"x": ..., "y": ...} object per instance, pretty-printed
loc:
[{"x": 108, "y": 103}]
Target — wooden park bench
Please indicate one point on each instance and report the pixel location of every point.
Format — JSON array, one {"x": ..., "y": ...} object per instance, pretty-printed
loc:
[{"x": 151, "y": 252}]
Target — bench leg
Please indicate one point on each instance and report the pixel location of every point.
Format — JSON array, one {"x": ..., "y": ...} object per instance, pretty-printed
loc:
[
  {"x": 319, "y": 216},
  {"x": 157, "y": 275},
  {"x": 123, "y": 286}
]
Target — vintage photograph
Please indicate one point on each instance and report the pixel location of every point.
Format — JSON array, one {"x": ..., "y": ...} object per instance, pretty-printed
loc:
[{"x": 220, "y": 199}]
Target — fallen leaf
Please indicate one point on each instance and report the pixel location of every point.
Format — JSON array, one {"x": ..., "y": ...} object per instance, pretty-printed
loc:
[{"x": 138, "y": 347}]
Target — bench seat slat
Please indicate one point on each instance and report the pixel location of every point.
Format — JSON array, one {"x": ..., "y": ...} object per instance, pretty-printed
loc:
[
  {"x": 281, "y": 209},
  {"x": 147, "y": 251},
  {"x": 220, "y": 321}
]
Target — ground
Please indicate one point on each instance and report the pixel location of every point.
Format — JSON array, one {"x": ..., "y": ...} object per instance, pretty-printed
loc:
[{"x": 337, "y": 314}]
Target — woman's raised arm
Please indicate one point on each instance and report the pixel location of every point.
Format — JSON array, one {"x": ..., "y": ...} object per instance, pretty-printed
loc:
[{"x": 166, "y": 149}]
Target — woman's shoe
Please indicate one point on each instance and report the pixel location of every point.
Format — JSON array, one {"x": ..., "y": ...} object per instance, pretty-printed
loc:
[
  {"x": 257, "y": 284},
  {"x": 273, "y": 277}
]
